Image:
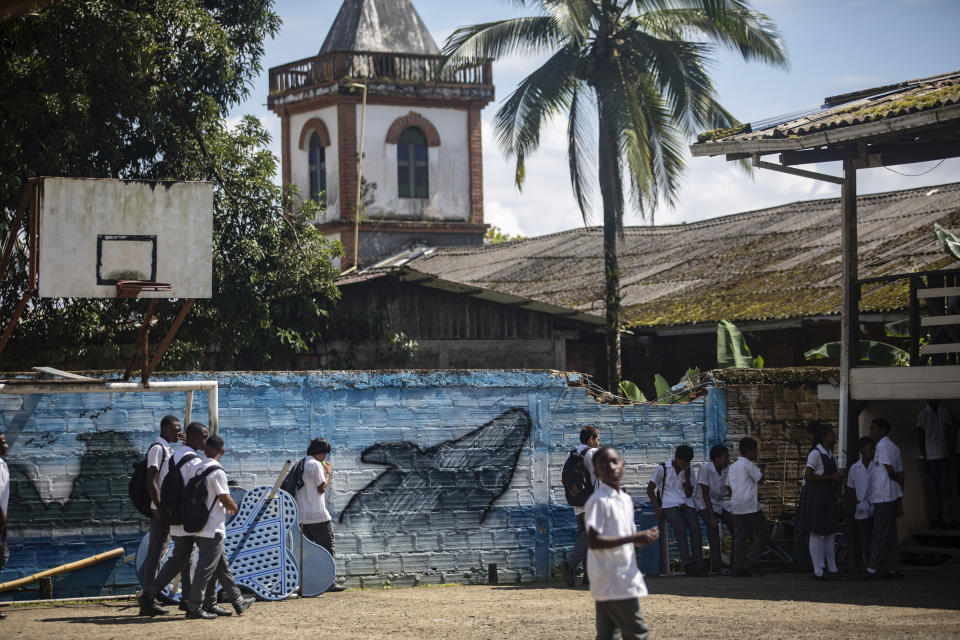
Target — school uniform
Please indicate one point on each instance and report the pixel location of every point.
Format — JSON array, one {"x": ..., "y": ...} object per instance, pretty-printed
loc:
[
  {"x": 4, "y": 502},
  {"x": 179, "y": 560},
  {"x": 212, "y": 564},
  {"x": 312, "y": 506},
  {"x": 681, "y": 512},
  {"x": 858, "y": 479},
  {"x": 936, "y": 477},
  {"x": 616, "y": 583},
  {"x": 748, "y": 519},
  {"x": 716, "y": 483},
  {"x": 579, "y": 553},
  {"x": 157, "y": 458},
  {"x": 884, "y": 494},
  {"x": 817, "y": 517}
]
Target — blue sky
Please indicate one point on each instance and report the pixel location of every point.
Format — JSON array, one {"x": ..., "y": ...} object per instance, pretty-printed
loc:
[{"x": 834, "y": 47}]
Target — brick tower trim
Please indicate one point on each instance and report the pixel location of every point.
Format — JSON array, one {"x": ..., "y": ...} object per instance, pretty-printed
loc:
[
  {"x": 413, "y": 119},
  {"x": 318, "y": 125}
]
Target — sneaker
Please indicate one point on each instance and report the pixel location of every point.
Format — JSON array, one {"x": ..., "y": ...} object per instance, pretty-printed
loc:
[
  {"x": 200, "y": 614},
  {"x": 336, "y": 588},
  {"x": 163, "y": 598},
  {"x": 867, "y": 576},
  {"x": 242, "y": 604},
  {"x": 820, "y": 578},
  {"x": 725, "y": 571},
  {"x": 217, "y": 610},
  {"x": 832, "y": 576},
  {"x": 567, "y": 572}
]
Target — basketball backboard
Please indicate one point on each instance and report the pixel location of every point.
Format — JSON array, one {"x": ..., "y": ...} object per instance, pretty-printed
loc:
[{"x": 96, "y": 232}]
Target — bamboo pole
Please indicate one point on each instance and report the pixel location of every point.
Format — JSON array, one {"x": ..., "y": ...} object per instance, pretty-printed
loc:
[{"x": 64, "y": 568}]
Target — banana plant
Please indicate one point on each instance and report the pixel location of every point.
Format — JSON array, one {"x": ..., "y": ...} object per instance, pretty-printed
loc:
[
  {"x": 870, "y": 351},
  {"x": 732, "y": 349}
]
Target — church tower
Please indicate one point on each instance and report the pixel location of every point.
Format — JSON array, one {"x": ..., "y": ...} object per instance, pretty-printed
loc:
[{"x": 422, "y": 144}]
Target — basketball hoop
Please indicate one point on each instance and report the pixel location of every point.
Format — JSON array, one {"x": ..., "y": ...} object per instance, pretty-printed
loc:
[{"x": 133, "y": 288}]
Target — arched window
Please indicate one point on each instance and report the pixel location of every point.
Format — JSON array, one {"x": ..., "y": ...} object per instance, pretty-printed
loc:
[
  {"x": 412, "y": 179},
  {"x": 318, "y": 168}
]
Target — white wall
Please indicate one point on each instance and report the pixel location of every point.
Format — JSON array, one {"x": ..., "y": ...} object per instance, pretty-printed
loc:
[
  {"x": 449, "y": 168},
  {"x": 300, "y": 158}
]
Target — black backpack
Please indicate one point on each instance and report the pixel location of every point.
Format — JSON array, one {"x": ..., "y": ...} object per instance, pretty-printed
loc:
[
  {"x": 294, "y": 480},
  {"x": 576, "y": 479},
  {"x": 193, "y": 508},
  {"x": 137, "y": 488},
  {"x": 171, "y": 493}
]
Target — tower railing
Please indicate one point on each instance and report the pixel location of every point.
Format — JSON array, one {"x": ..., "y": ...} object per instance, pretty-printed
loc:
[{"x": 398, "y": 68}]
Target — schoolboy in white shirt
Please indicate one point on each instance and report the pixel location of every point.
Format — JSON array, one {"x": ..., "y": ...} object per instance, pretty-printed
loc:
[
  {"x": 158, "y": 457},
  {"x": 858, "y": 479},
  {"x": 886, "y": 490},
  {"x": 4, "y": 496},
  {"x": 709, "y": 494},
  {"x": 933, "y": 423},
  {"x": 312, "y": 499},
  {"x": 748, "y": 518},
  {"x": 212, "y": 561},
  {"x": 589, "y": 443},
  {"x": 676, "y": 504},
  {"x": 616, "y": 583}
]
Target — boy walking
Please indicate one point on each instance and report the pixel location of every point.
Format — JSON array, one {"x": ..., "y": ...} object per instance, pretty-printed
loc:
[
  {"x": 748, "y": 519},
  {"x": 616, "y": 583},
  {"x": 675, "y": 503},
  {"x": 589, "y": 442},
  {"x": 312, "y": 498}
]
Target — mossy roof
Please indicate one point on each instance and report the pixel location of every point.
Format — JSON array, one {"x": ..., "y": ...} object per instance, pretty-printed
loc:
[{"x": 776, "y": 263}]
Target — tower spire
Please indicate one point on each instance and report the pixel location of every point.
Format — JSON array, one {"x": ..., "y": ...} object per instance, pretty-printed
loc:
[{"x": 389, "y": 26}]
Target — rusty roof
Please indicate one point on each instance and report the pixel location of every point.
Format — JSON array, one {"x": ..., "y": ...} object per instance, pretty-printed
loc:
[
  {"x": 884, "y": 110},
  {"x": 775, "y": 263},
  {"x": 389, "y": 26}
]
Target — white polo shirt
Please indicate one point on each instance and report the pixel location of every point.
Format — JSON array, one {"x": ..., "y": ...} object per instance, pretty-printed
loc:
[
  {"x": 187, "y": 471},
  {"x": 742, "y": 480},
  {"x": 613, "y": 573},
  {"x": 858, "y": 479},
  {"x": 715, "y": 482},
  {"x": 312, "y": 504},
  {"x": 815, "y": 460},
  {"x": 4, "y": 486},
  {"x": 216, "y": 485},
  {"x": 883, "y": 488},
  {"x": 587, "y": 454},
  {"x": 934, "y": 425},
  {"x": 673, "y": 492},
  {"x": 157, "y": 458}
]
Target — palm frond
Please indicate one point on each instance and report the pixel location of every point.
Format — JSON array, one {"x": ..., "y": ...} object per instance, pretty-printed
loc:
[
  {"x": 581, "y": 167},
  {"x": 492, "y": 40}
]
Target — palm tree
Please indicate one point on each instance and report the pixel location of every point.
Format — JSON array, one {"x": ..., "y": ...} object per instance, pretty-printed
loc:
[{"x": 633, "y": 65}]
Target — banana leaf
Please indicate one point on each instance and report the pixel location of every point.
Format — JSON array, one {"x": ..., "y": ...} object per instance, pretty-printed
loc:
[
  {"x": 897, "y": 329},
  {"x": 951, "y": 243},
  {"x": 870, "y": 351},
  {"x": 732, "y": 349},
  {"x": 663, "y": 389},
  {"x": 632, "y": 392}
]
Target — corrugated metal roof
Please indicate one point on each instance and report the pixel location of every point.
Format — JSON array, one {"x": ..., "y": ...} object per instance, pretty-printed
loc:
[
  {"x": 858, "y": 109},
  {"x": 781, "y": 262},
  {"x": 390, "y": 26}
]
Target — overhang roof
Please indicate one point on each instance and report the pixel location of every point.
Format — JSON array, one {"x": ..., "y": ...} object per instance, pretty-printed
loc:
[
  {"x": 887, "y": 113},
  {"x": 771, "y": 264},
  {"x": 389, "y": 26},
  {"x": 424, "y": 279}
]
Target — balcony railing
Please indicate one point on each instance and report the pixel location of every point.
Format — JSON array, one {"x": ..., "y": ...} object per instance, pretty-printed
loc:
[
  {"x": 934, "y": 314},
  {"x": 369, "y": 65}
]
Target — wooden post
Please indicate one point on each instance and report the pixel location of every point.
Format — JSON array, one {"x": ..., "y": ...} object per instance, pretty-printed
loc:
[{"x": 849, "y": 316}]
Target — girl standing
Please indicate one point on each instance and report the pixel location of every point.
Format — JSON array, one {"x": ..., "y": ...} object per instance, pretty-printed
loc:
[{"x": 818, "y": 512}]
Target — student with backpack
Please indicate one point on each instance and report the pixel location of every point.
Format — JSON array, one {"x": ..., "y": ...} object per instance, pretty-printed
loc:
[
  {"x": 579, "y": 482},
  {"x": 674, "y": 501},
  {"x": 310, "y": 491},
  {"x": 182, "y": 466},
  {"x": 207, "y": 494},
  {"x": 145, "y": 486}
]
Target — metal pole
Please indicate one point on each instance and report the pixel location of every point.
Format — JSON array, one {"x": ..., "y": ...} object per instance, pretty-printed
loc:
[
  {"x": 11, "y": 386},
  {"x": 849, "y": 322},
  {"x": 189, "y": 411},
  {"x": 356, "y": 220},
  {"x": 213, "y": 409}
]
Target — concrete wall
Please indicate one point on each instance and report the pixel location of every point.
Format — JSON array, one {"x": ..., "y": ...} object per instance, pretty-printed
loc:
[{"x": 71, "y": 455}]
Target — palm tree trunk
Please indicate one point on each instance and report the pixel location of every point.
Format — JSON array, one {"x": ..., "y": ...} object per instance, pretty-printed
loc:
[{"x": 609, "y": 186}]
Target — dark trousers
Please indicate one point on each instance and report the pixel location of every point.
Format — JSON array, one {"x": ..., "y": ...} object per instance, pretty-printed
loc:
[
  {"x": 322, "y": 534},
  {"x": 212, "y": 567},
  {"x": 865, "y": 529},
  {"x": 621, "y": 614},
  {"x": 936, "y": 488},
  {"x": 883, "y": 542},
  {"x": 713, "y": 536},
  {"x": 159, "y": 538},
  {"x": 579, "y": 553},
  {"x": 177, "y": 562},
  {"x": 749, "y": 525},
  {"x": 683, "y": 521}
]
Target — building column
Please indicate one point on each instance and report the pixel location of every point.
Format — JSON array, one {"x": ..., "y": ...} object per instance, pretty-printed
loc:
[
  {"x": 347, "y": 161},
  {"x": 285, "y": 147},
  {"x": 475, "y": 151}
]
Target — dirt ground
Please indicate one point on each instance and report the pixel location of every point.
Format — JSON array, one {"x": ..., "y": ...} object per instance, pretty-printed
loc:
[{"x": 775, "y": 606}]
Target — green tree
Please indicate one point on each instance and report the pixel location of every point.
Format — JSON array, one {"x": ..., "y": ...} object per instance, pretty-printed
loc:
[
  {"x": 139, "y": 89},
  {"x": 638, "y": 66}
]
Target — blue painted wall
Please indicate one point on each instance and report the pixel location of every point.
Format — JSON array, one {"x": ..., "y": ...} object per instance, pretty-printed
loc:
[{"x": 71, "y": 455}]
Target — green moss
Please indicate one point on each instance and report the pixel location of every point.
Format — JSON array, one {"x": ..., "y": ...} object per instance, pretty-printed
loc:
[
  {"x": 919, "y": 102},
  {"x": 716, "y": 134}
]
